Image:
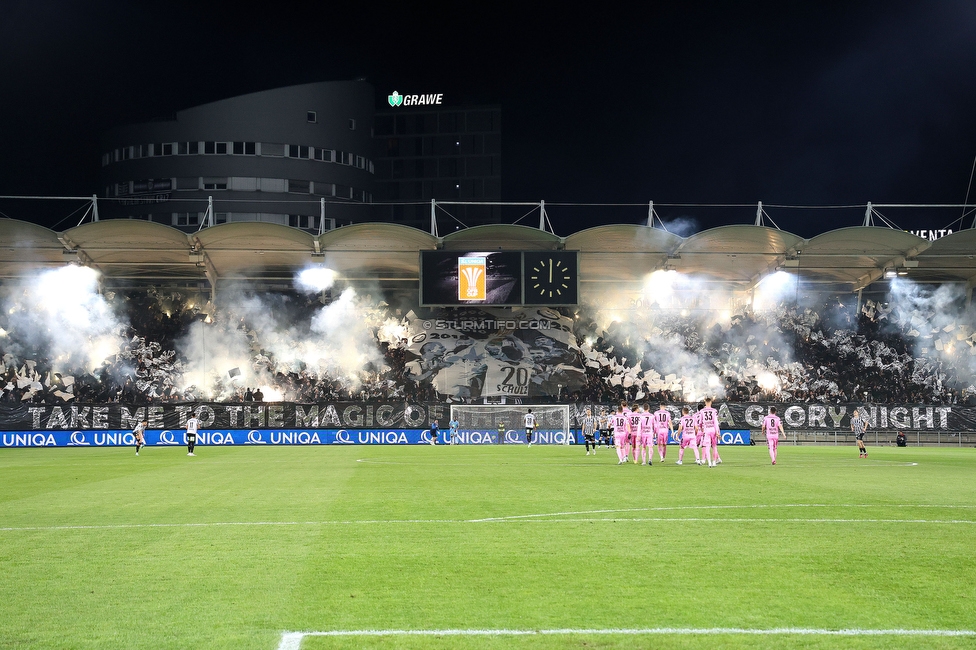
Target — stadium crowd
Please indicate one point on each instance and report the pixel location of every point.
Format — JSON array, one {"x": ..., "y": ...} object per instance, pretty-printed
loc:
[{"x": 830, "y": 354}]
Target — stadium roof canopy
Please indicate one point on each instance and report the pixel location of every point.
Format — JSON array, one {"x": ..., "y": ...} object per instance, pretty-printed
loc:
[{"x": 738, "y": 256}]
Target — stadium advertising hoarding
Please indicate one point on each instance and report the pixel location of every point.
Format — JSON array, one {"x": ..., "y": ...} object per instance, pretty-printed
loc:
[
  {"x": 278, "y": 437},
  {"x": 272, "y": 437}
]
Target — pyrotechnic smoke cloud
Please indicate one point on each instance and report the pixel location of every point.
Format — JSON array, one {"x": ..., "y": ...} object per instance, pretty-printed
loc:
[
  {"x": 263, "y": 335},
  {"x": 939, "y": 322},
  {"x": 59, "y": 314}
]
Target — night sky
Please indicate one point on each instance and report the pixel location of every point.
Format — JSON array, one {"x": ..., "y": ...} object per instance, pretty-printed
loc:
[{"x": 799, "y": 103}]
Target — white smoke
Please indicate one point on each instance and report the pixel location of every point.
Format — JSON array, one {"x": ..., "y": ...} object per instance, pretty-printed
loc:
[
  {"x": 261, "y": 337},
  {"x": 937, "y": 320},
  {"x": 60, "y": 314},
  {"x": 691, "y": 338}
]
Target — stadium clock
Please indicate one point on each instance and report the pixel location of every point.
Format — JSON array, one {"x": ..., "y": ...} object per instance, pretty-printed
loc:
[{"x": 551, "y": 277}]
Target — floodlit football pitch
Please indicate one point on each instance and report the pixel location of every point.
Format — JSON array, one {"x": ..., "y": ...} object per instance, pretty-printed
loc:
[{"x": 485, "y": 547}]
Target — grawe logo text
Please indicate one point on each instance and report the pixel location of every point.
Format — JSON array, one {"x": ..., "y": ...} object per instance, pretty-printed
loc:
[{"x": 396, "y": 99}]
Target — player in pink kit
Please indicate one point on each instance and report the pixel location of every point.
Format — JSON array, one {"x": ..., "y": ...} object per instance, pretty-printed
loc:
[
  {"x": 709, "y": 428},
  {"x": 699, "y": 429},
  {"x": 620, "y": 423},
  {"x": 772, "y": 426},
  {"x": 646, "y": 436},
  {"x": 686, "y": 427},
  {"x": 635, "y": 430},
  {"x": 661, "y": 421},
  {"x": 715, "y": 434}
]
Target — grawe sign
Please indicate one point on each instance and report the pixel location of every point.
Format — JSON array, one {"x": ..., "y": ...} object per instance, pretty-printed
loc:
[{"x": 396, "y": 99}]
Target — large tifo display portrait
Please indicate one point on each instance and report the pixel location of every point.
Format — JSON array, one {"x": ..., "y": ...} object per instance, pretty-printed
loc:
[{"x": 472, "y": 353}]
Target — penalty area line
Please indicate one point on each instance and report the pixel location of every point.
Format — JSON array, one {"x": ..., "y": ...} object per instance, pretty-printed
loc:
[{"x": 293, "y": 640}]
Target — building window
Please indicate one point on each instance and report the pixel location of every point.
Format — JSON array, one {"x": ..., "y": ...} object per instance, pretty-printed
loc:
[
  {"x": 311, "y": 117},
  {"x": 293, "y": 151},
  {"x": 303, "y": 221},
  {"x": 215, "y": 183},
  {"x": 221, "y": 147},
  {"x": 188, "y": 183},
  {"x": 220, "y": 217},
  {"x": 244, "y": 148},
  {"x": 299, "y": 187},
  {"x": 106, "y": 159},
  {"x": 352, "y": 124},
  {"x": 209, "y": 147},
  {"x": 186, "y": 218}
]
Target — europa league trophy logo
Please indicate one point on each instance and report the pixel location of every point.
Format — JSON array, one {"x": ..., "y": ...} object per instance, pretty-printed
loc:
[{"x": 471, "y": 273}]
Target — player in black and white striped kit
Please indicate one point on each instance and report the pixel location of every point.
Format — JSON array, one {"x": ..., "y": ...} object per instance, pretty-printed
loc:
[
  {"x": 589, "y": 426},
  {"x": 529, "y": 426},
  {"x": 859, "y": 426},
  {"x": 604, "y": 423}
]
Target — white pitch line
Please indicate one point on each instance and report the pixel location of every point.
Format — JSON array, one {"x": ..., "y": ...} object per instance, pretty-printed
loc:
[
  {"x": 293, "y": 640},
  {"x": 545, "y": 517},
  {"x": 730, "y": 520},
  {"x": 751, "y": 520}
]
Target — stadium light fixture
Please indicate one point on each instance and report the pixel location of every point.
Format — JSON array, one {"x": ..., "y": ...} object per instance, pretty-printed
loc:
[{"x": 890, "y": 274}]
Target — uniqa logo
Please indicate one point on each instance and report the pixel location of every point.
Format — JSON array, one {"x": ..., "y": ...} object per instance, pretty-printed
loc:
[{"x": 395, "y": 99}]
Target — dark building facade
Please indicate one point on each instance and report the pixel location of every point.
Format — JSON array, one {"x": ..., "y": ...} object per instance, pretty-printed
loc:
[
  {"x": 268, "y": 156},
  {"x": 447, "y": 153},
  {"x": 312, "y": 156}
]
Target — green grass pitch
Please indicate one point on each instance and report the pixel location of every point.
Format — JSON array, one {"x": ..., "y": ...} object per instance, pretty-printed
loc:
[{"x": 101, "y": 549}]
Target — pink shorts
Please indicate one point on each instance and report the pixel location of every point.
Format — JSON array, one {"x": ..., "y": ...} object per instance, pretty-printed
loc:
[
  {"x": 706, "y": 440},
  {"x": 714, "y": 439},
  {"x": 647, "y": 439},
  {"x": 688, "y": 441},
  {"x": 698, "y": 439},
  {"x": 662, "y": 438},
  {"x": 772, "y": 440},
  {"x": 621, "y": 439}
]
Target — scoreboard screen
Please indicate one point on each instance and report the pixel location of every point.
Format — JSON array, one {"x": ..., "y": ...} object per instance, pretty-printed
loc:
[
  {"x": 501, "y": 278},
  {"x": 470, "y": 278}
]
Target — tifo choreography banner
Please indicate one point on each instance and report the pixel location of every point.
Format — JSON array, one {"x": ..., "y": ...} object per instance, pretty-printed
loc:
[
  {"x": 246, "y": 416},
  {"x": 169, "y": 438},
  {"x": 519, "y": 353},
  {"x": 371, "y": 416},
  {"x": 888, "y": 417}
]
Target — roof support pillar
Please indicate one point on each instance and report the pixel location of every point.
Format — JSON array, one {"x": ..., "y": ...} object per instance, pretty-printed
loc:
[
  {"x": 94, "y": 207},
  {"x": 433, "y": 217},
  {"x": 542, "y": 216}
]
